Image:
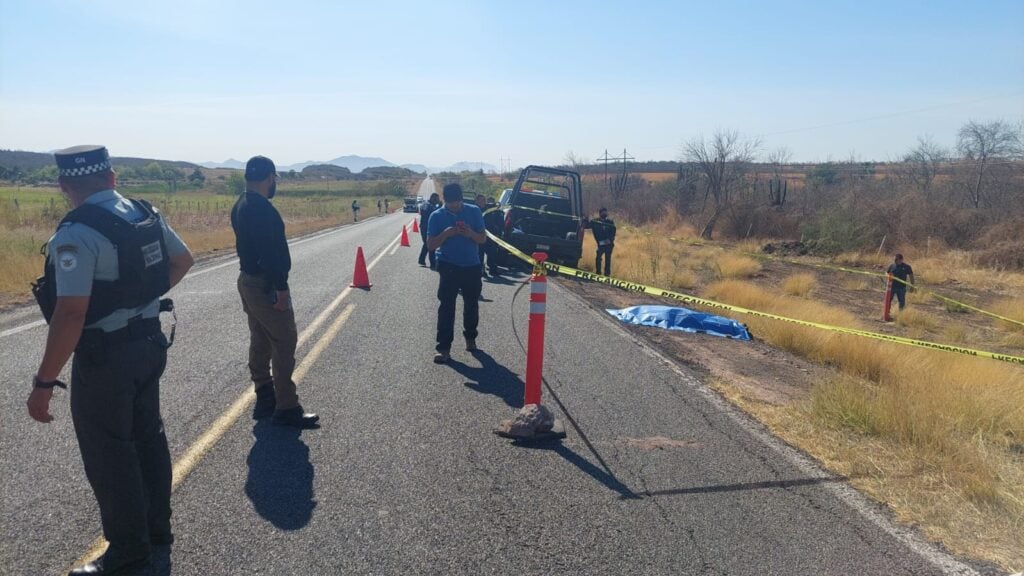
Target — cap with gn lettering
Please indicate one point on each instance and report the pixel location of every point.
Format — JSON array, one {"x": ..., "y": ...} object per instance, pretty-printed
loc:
[{"x": 82, "y": 160}]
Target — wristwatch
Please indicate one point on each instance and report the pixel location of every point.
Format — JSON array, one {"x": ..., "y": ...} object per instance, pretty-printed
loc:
[{"x": 37, "y": 383}]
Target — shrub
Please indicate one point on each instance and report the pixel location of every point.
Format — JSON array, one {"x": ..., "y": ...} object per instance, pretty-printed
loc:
[
  {"x": 734, "y": 266},
  {"x": 799, "y": 284},
  {"x": 837, "y": 230}
]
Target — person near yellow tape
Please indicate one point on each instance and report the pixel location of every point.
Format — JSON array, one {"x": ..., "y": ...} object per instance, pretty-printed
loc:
[
  {"x": 905, "y": 274},
  {"x": 604, "y": 235}
]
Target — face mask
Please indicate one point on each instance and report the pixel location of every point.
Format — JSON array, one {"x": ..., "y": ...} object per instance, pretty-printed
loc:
[{"x": 272, "y": 191}]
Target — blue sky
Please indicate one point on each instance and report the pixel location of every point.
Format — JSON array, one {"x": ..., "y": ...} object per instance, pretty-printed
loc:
[{"x": 445, "y": 81}]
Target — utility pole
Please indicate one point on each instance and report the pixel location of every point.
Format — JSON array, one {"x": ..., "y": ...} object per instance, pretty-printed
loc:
[
  {"x": 606, "y": 158},
  {"x": 620, "y": 184}
]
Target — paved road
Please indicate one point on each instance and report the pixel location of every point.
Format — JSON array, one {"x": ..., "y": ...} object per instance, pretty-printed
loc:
[{"x": 405, "y": 477}]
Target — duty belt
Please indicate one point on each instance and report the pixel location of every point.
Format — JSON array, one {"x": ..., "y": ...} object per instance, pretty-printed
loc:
[{"x": 136, "y": 330}]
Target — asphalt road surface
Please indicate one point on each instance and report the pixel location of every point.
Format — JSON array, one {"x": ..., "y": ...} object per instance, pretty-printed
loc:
[{"x": 405, "y": 475}]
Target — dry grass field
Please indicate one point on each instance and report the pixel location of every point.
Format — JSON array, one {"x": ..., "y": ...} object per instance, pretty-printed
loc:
[
  {"x": 937, "y": 436},
  {"x": 28, "y": 217}
]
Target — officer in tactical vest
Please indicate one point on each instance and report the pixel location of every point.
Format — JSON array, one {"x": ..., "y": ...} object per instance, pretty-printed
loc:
[{"x": 107, "y": 267}]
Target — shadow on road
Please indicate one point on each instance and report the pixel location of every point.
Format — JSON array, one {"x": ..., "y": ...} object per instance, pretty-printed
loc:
[
  {"x": 280, "y": 483},
  {"x": 507, "y": 278},
  {"x": 746, "y": 486},
  {"x": 599, "y": 473},
  {"x": 491, "y": 378}
]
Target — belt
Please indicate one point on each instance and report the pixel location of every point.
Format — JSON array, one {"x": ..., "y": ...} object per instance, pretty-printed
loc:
[{"x": 136, "y": 330}]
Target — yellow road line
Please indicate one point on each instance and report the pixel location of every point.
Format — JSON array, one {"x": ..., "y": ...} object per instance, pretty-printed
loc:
[{"x": 188, "y": 461}]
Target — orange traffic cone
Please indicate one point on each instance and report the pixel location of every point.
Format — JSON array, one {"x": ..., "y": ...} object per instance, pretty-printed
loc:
[
  {"x": 415, "y": 228},
  {"x": 405, "y": 237},
  {"x": 360, "y": 279}
]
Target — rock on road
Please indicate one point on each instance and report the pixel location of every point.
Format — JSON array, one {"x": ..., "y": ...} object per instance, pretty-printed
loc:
[{"x": 405, "y": 475}]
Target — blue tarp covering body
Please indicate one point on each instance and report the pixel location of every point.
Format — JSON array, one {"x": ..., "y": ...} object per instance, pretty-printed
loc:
[{"x": 672, "y": 318}]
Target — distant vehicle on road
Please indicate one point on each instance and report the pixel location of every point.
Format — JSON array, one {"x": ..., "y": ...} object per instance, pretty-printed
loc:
[
  {"x": 412, "y": 204},
  {"x": 543, "y": 213}
]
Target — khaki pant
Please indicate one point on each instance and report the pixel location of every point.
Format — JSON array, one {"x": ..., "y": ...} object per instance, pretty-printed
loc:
[{"x": 272, "y": 340}]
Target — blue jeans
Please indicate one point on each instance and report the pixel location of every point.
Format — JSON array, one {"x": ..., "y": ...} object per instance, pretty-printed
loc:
[{"x": 900, "y": 292}]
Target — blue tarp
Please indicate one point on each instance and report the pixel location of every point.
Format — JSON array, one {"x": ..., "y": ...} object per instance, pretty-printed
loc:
[{"x": 672, "y": 318}]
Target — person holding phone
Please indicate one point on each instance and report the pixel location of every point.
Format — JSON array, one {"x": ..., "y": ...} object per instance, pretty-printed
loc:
[{"x": 456, "y": 231}]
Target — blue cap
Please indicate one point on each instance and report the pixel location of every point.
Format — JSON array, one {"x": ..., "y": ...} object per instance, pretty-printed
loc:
[{"x": 82, "y": 160}]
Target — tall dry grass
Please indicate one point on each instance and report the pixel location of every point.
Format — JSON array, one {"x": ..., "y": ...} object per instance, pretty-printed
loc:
[
  {"x": 937, "y": 436},
  {"x": 736, "y": 266},
  {"x": 960, "y": 420},
  {"x": 202, "y": 220},
  {"x": 799, "y": 284}
]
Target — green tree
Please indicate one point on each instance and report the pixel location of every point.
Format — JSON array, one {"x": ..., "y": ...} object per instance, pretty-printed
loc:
[
  {"x": 196, "y": 178},
  {"x": 152, "y": 171}
]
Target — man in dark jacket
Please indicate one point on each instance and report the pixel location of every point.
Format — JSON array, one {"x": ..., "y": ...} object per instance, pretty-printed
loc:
[
  {"x": 604, "y": 235},
  {"x": 903, "y": 276},
  {"x": 425, "y": 211},
  {"x": 494, "y": 221},
  {"x": 263, "y": 285}
]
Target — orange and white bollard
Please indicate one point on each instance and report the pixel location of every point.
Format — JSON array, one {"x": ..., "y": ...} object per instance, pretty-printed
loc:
[
  {"x": 535, "y": 335},
  {"x": 534, "y": 421}
]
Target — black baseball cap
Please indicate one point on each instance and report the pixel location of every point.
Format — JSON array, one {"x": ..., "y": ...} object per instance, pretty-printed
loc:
[
  {"x": 259, "y": 168},
  {"x": 452, "y": 192}
]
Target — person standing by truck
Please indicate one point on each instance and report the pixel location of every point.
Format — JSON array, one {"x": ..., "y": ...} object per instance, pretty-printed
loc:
[
  {"x": 455, "y": 231},
  {"x": 425, "y": 212},
  {"x": 604, "y": 235},
  {"x": 489, "y": 249}
]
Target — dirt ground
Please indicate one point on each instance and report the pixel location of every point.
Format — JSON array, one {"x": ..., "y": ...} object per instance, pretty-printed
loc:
[{"x": 758, "y": 370}]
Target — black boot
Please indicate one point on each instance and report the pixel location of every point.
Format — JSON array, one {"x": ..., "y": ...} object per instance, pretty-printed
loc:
[{"x": 266, "y": 402}]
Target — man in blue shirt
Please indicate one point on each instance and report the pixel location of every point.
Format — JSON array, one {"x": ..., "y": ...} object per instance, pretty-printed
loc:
[{"x": 455, "y": 231}]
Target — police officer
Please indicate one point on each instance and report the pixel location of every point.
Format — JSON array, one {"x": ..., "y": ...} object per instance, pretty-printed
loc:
[
  {"x": 455, "y": 231},
  {"x": 904, "y": 275},
  {"x": 494, "y": 221},
  {"x": 425, "y": 211},
  {"x": 265, "y": 261},
  {"x": 106, "y": 267},
  {"x": 604, "y": 235}
]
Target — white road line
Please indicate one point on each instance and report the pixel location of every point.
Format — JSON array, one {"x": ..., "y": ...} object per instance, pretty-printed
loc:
[
  {"x": 22, "y": 328},
  {"x": 37, "y": 323},
  {"x": 195, "y": 453}
]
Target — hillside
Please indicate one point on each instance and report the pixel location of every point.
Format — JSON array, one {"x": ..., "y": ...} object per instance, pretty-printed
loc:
[{"x": 27, "y": 161}]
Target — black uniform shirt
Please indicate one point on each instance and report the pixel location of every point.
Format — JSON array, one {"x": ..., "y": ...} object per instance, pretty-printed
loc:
[
  {"x": 604, "y": 229},
  {"x": 260, "y": 240},
  {"x": 901, "y": 271}
]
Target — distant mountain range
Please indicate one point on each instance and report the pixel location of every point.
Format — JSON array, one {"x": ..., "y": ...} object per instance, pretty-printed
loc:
[{"x": 357, "y": 164}]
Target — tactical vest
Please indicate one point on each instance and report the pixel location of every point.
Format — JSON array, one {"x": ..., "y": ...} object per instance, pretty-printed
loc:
[{"x": 143, "y": 266}]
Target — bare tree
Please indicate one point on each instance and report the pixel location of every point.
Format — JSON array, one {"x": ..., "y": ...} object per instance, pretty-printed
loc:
[
  {"x": 777, "y": 185},
  {"x": 778, "y": 159},
  {"x": 982, "y": 146},
  {"x": 923, "y": 161},
  {"x": 573, "y": 160},
  {"x": 722, "y": 162}
]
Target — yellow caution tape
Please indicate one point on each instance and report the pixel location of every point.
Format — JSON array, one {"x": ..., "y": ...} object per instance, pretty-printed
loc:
[
  {"x": 869, "y": 273},
  {"x": 538, "y": 210},
  {"x": 895, "y": 279},
  {"x": 686, "y": 298}
]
